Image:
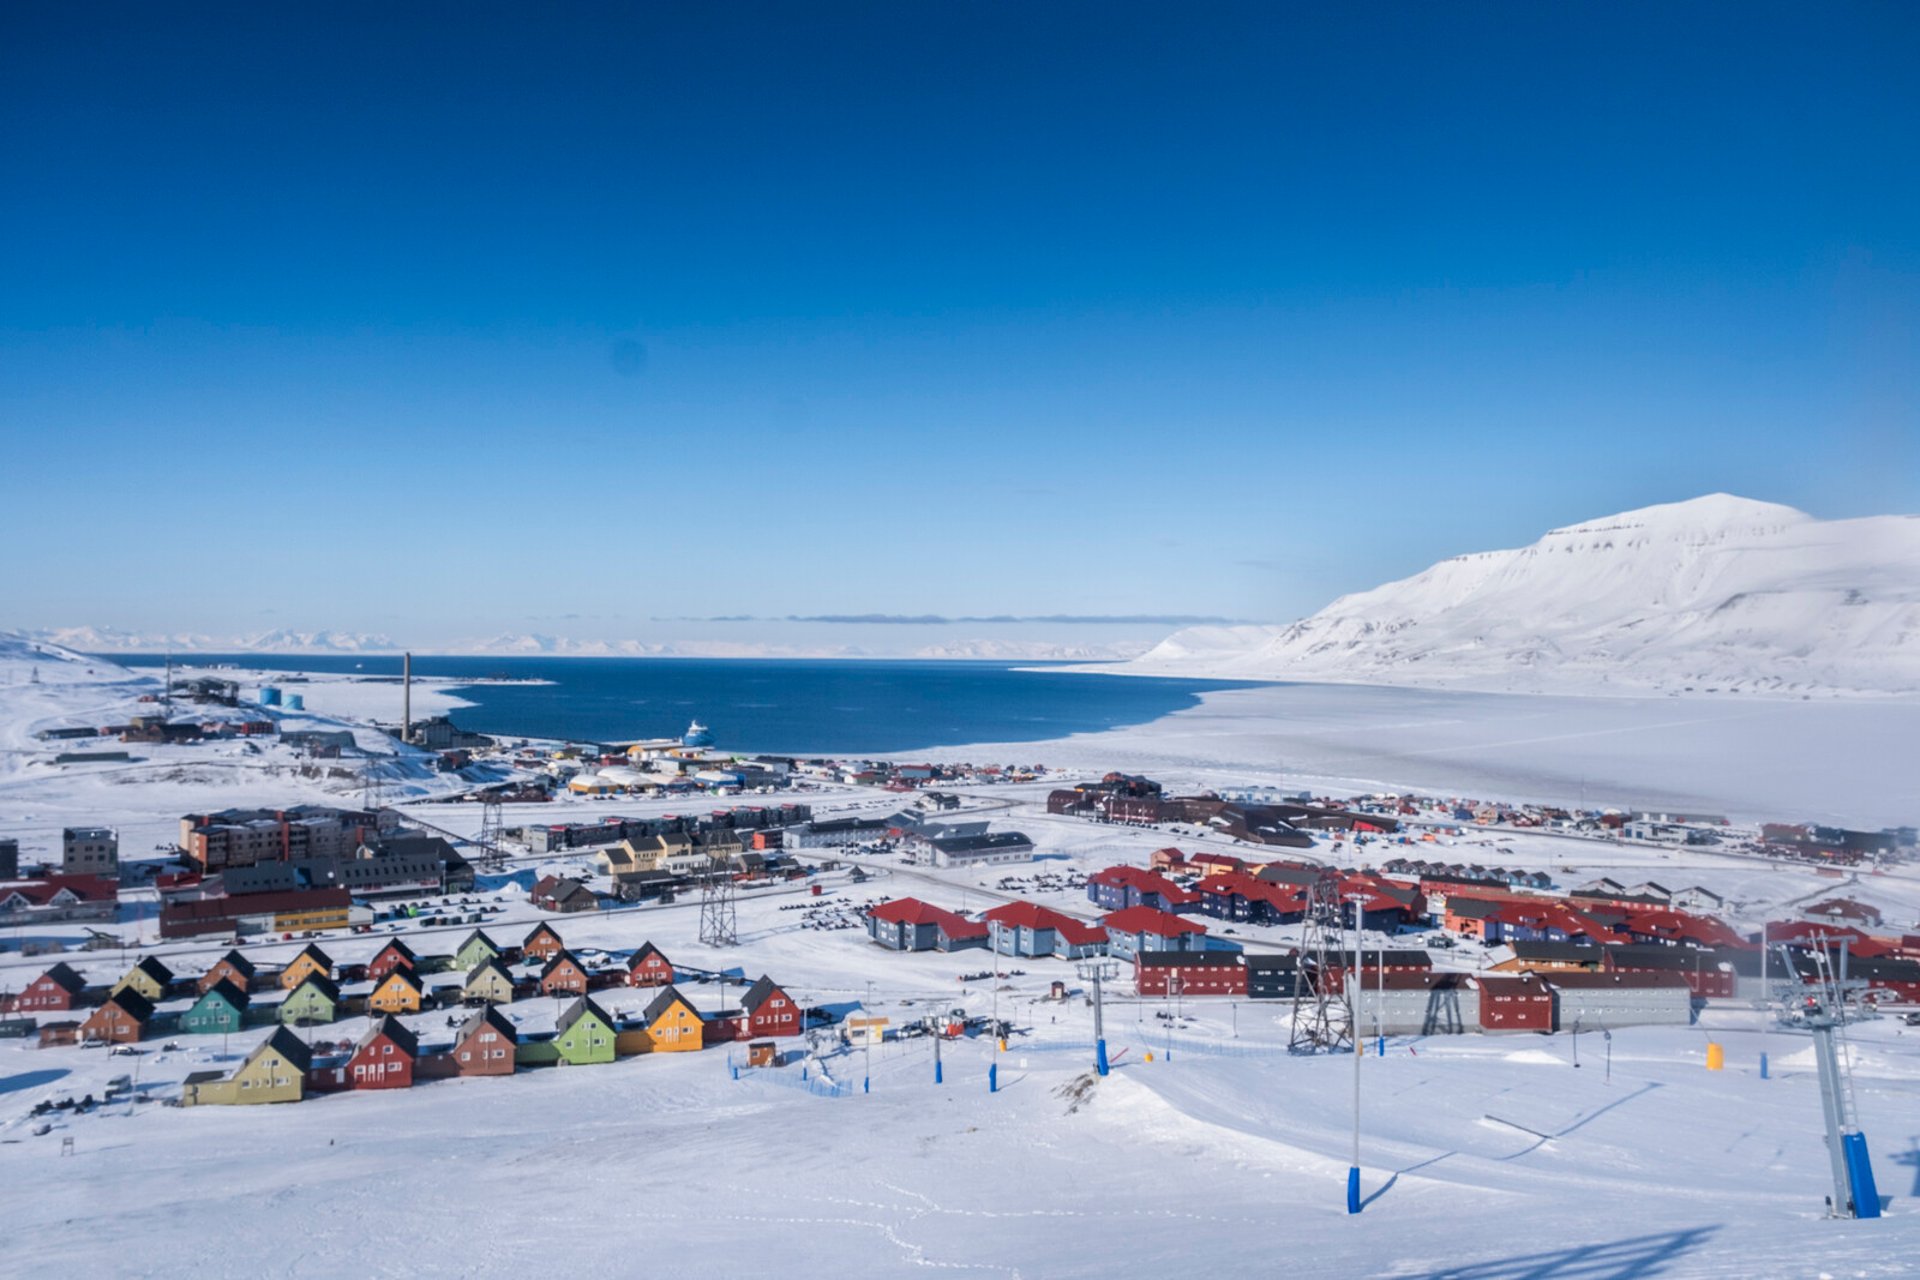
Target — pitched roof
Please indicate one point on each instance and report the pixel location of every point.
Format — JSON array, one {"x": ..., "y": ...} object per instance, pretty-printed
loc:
[
  {"x": 319, "y": 982},
  {"x": 490, "y": 963},
  {"x": 225, "y": 990},
  {"x": 478, "y": 935},
  {"x": 405, "y": 975},
  {"x": 132, "y": 1003},
  {"x": 537, "y": 930},
  {"x": 489, "y": 1016},
  {"x": 237, "y": 962},
  {"x": 560, "y": 957},
  {"x": 757, "y": 993},
  {"x": 320, "y": 957},
  {"x": 395, "y": 945},
  {"x": 1150, "y": 920},
  {"x": 581, "y": 1007},
  {"x": 668, "y": 997},
  {"x": 153, "y": 969},
  {"x": 288, "y": 1046},
  {"x": 647, "y": 949},
  {"x": 395, "y": 1030},
  {"x": 64, "y": 975}
]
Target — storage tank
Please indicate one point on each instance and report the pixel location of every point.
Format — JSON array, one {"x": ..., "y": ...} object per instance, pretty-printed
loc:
[
  {"x": 269, "y": 696},
  {"x": 296, "y": 702}
]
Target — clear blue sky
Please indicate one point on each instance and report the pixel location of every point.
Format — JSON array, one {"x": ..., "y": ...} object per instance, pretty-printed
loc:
[{"x": 446, "y": 319}]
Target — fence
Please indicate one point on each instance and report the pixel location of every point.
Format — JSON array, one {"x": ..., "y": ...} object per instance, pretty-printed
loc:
[{"x": 807, "y": 1078}]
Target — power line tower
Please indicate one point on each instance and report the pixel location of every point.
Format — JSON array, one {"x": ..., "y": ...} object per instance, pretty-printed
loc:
[
  {"x": 491, "y": 830},
  {"x": 718, "y": 927},
  {"x": 1322, "y": 1019},
  {"x": 373, "y": 787}
]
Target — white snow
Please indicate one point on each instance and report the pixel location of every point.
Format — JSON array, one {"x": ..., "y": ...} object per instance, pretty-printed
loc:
[{"x": 1717, "y": 593}]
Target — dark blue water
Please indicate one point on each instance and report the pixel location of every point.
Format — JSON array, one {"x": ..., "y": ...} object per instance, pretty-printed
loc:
[{"x": 805, "y": 707}]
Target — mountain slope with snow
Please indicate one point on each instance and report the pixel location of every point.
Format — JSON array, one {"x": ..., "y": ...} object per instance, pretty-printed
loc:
[{"x": 1717, "y": 593}]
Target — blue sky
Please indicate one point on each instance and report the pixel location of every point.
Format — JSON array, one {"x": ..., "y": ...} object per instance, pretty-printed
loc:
[{"x": 458, "y": 319}]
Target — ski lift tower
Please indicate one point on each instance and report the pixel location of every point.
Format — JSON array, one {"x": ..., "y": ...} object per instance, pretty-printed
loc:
[
  {"x": 1099, "y": 972},
  {"x": 1322, "y": 1018},
  {"x": 1824, "y": 1014}
]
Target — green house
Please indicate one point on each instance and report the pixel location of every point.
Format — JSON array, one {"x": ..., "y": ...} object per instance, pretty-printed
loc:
[
  {"x": 315, "y": 1001},
  {"x": 585, "y": 1034},
  {"x": 476, "y": 951},
  {"x": 220, "y": 1010}
]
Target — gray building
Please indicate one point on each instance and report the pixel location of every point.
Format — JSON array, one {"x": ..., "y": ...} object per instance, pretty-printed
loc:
[
  {"x": 1595, "y": 1001},
  {"x": 90, "y": 851},
  {"x": 1407, "y": 1004},
  {"x": 981, "y": 850},
  {"x": 9, "y": 858}
]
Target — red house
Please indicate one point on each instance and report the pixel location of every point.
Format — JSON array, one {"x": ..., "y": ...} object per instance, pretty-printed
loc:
[
  {"x": 563, "y": 975},
  {"x": 57, "y": 988},
  {"x": 543, "y": 944},
  {"x": 649, "y": 967},
  {"x": 384, "y": 1057},
  {"x": 1521, "y": 1003},
  {"x": 485, "y": 1044},
  {"x": 769, "y": 1011},
  {"x": 395, "y": 955},
  {"x": 1190, "y": 973}
]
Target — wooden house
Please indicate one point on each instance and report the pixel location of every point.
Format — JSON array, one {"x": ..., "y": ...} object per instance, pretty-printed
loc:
[
  {"x": 584, "y": 1034},
  {"x": 220, "y": 1010},
  {"x": 564, "y": 895},
  {"x": 542, "y": 944},
  {"x": 485, "y": 1044},
  {"x": 314, "y": 1002},
  {"x": 53, "y": 1034},
  {"x": 311, "y": 960},
  {"x": 673, "y": 1025},
  {"x": 231, "y": 967},
  {"x": 384, "y": 1057},
  {"x": 649, "y": 967},
  {"x": 767, "y": 1010},
  {"x": 58, "y": 988},
  {"x": 395, "y": 955},
  {"x": 149, "y": 977},
  {"x": 563, "y": 975},
  {"x": 275, "y": 1071},
  {"x": 121, "y": 1019},
  {"x": 398, "y": 992},
  {"x": 489, "y": 983},
  {"x": 476, "y": 951}
]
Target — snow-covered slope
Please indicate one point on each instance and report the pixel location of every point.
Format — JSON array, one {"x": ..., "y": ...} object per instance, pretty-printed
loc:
[{"x": 1719, "y": 592}]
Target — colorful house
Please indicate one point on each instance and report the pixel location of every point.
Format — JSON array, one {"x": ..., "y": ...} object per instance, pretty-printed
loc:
[
  {"x": 57, "y": 988},
  {"x": 476, "y": 951},
  {"x": 541, "y": 945},
  {"x": 398, "y": 992},
  {"x": 769, "y": 1011},
  {"x": 673, "y": 1025},
  {"x": 584, "y": 1034},
  {"x": 384, "y": 1057},
  {"x": 311, "y": 960},
  {"x": 149, "y": 977},
  {"x": 649, "y": 968},
  {"x": 275, "y": 1071},
  {"x": 232, "y": 967},
  {"x": 395, "y": 955},
  {"x": 315, "y": 1001},
  {"x": 489, "y": 983},
  {"x": 220, "y": 1010},
  {"x": 563, "y": 975},
  {"x": 122, "y": 1019},
  {"x": 485, "y": 1044}
]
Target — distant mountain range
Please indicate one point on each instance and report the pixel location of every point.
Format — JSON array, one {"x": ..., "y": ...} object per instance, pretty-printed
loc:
[{"x": 1719, "y": 593}]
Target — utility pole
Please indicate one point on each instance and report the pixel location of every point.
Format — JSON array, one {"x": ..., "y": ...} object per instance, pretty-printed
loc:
[
  {"x": 1097, "y": 971},
  {"x": 1357, "y": 984},
  {"x": 1855, "y": 1194}
]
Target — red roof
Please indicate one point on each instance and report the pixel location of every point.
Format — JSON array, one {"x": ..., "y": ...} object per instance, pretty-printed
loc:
[
  {"x": 915, "y": 912},
  {"x": 1031, "y": 915},
  {"x": 1162, "y": 924},
  {"x": 43, "y": 890}
]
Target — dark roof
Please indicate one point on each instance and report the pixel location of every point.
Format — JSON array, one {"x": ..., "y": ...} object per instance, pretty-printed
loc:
[
  {"x": 560, "y": 957},
  {"x": 580, "y": 1008},
  {"x": 237, "y": 962},
  {"x": 489, "y": 1016},
  {"x": 491, "y": 962},
  {"x": 233, "y": 995},
  {"x": 135, "y": 1005},
  {"x": 647, "y": 949},
  {"x": 395, "y": 944},
  {"x": 64, "y": 975},
  {"x": 1472, "y": 908},
  {"x": 1564, "y": 951},
  {"x": 537, "y": 930},
  {"x": 395, "y": 1030},
  {"x": 155, "y": 970},
  {"x": 288, "y": 1046},
  {"x": 668, "y": 997},
  {"x": 757, "y": 993},
  {"x": 320, "y": 982},
  {"x": 325, "y": 961},
  {"x": 1189, "y": 959},
  {"x": 481, "y": 935},
  {"x": 1271, "y": 963},
  {"x": 1658, "y": 955}
]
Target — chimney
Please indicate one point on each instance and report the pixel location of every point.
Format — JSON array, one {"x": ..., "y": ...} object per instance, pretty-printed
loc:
[{"x": 406, "y": 697}]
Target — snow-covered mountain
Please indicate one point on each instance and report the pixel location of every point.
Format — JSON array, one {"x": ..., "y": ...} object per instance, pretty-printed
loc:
[
  {"x": 1718, "y": 593},
  {"x": 120, "y": 640}
]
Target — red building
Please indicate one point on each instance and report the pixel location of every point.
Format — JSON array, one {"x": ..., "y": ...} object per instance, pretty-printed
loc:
[
  {"x": 384, "y": 1057},
  {"x": 769, "y": 1011},
  {"x": 649, "y": 968},
  {"x": 485, "y": 1044},
  {"x": 543, "y": 944},
  {"x": 395, "y": 955},
  {"x": 1190, "y": 973},
  {"x": 1521, "y": 1003},
  {"x": 563, "y": 975},
  {"x": 122, "y": 1019},
  {"x": 57, "y": 988}
]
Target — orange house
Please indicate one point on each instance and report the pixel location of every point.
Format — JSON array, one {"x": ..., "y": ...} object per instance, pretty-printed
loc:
[
  {"x": 673, "y": 1025},
  {"x": 563, "y": 975},
  {"x": 121, "y": 1020},
  {"x": 232, "y": 967},
  {"x": 543, "y": 944},
  {"x": 309, "y": 962},
  {"x": 398, "y": 992}
]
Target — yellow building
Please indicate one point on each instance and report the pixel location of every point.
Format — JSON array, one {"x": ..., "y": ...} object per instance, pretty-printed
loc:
[
  {"x": 673, "y": 1025},
  {"x": 489, "y": 982},
  {"x": 335, "y": 917},
  {"x": 275, "y": 1071},
  {"x": 149, "y": 977},
  {"x": 398, "y": 992}
]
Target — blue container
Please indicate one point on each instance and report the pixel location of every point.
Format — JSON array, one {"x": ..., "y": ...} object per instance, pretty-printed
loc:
[
  {"x": 296, "y": 702},
  {"x": 269, "y": 696}
]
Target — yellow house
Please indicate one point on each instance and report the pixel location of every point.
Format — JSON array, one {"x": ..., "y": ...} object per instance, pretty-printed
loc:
[
  {"x": 398, "y": 992},
  {"x": 673, "y": 1025},
  {"x": 274, "y": 1072},
  {"x": 489, "y": 982},
  {"x": 149, "y": 977},
  {"x": 310, "y": 961}
]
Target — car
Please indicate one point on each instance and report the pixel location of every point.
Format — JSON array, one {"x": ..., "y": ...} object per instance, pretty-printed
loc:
[{"x": 1912, "y": 1019}]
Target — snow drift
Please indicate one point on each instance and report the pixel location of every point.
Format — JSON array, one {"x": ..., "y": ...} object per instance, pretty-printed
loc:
[{"x": 1718, "y": 593}]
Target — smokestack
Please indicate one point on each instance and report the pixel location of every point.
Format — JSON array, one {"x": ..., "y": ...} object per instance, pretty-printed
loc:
[{"x": 406, "y": 697}]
